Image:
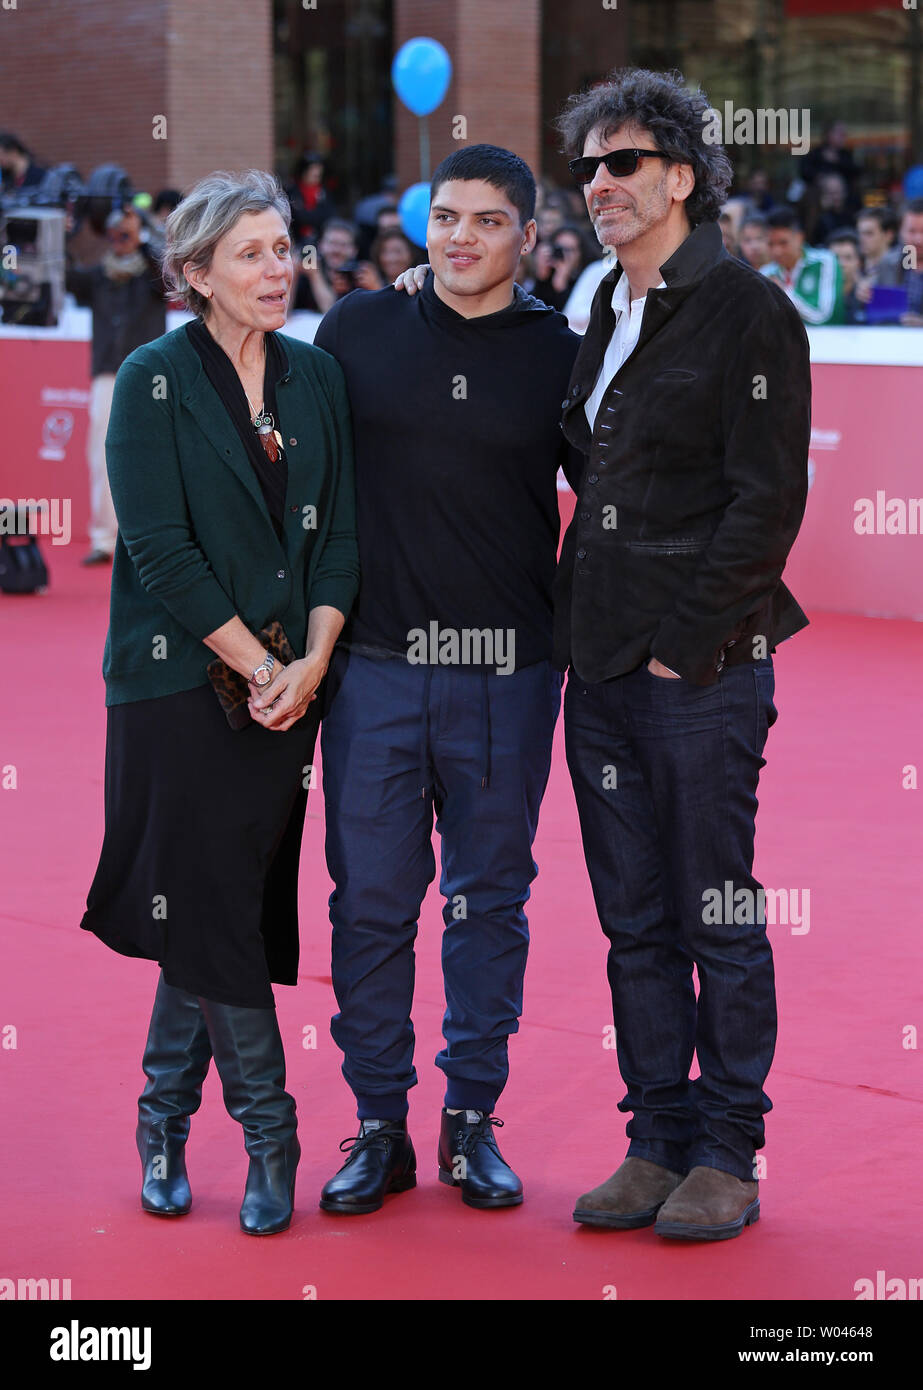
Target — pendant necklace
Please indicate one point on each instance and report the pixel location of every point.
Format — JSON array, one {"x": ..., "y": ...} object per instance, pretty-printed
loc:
[{"x": 263, "y": 423}]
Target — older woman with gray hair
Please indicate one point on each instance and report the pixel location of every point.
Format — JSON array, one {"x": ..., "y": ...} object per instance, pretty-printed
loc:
[{"x": 230, "y": 461}]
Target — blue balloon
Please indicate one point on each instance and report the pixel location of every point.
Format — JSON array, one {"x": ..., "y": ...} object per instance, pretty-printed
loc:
[
  {"x": 913, "y": 182},
  {"x": 414, "y": 211},
  {"x": 421, "y": 72}
]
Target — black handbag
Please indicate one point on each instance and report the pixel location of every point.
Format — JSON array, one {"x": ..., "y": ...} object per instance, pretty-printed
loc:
[{"x": 22, "y": 569}]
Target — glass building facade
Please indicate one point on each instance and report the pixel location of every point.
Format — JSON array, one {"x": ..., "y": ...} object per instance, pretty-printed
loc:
[{"x": 856, "y": 61}]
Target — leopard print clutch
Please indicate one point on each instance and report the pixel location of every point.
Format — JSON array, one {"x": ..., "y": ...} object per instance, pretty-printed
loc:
[{"x": 233, "y": 690}]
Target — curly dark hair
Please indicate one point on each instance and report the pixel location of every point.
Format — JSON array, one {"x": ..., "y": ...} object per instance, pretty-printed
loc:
[{"x": 661, "y": 103}]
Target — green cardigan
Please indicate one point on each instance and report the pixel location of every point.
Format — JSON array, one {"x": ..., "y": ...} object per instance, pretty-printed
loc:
[{"x": 196, "y": 545}]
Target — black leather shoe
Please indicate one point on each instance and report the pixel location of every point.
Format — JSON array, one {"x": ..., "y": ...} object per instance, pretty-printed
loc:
[
  {"x": 247, "y": 1048},
  {"x": 381, "y": 1160},
  {"x": 470, "y": 1159},
  {"x": 176, "y": 1061}
]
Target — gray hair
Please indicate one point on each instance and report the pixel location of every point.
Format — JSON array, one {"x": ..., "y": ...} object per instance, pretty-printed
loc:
[{"x": 211, "y": 208}]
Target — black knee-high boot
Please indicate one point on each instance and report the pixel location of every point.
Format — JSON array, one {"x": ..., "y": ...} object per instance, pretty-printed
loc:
[
  {"x": 247, "y": 1048},
  {"x": 176, "y": 1061}
]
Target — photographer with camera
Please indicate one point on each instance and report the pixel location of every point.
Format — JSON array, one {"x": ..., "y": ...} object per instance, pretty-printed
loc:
[
  {"x": 333, "y": 270},
  {"x": 558, "y": 263},
  {"x": 125, "y": 293}
]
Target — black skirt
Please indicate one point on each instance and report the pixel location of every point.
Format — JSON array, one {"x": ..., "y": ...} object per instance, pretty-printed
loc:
[{"x": 199, "y": 865}]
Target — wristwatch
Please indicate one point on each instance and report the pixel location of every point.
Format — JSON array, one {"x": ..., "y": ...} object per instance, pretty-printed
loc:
[{"x": 263, "y": 673}]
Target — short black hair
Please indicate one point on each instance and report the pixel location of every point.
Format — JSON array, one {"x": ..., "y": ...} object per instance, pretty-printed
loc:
[
  {"x": 754, "y": 219},
  {"x": 339, "y": 224},
  {"x": 494, "y": 165},
  {"x": 661, "y": 103},
  {"x": 885, "y": 217},
  {"x": 843, "y": 234},
  {"x": 9, "y": 141},
  {"x": 786, "y": 218},
  {"x": 304, "y": 162},
  {"x": 914, "y": 205},
  {"x": 168, "y": 198}
]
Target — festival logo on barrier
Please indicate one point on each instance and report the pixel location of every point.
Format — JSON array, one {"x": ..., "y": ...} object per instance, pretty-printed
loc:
[{"x": 56, "y": 432}]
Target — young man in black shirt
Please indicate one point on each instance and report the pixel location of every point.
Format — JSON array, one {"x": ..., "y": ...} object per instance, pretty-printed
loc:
[{"x": 442, "y": 697}]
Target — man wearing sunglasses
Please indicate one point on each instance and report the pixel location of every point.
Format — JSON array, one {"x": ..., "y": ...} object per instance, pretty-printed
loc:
[{"x": 690, "y": 399}]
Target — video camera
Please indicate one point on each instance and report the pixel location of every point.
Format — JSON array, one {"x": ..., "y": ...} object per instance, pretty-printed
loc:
[{"x": 34, "y": 225}]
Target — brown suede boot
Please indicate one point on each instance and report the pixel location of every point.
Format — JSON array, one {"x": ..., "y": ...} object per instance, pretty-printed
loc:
[
  {"x": 710, "y": 1205},
  {"x": 630, "y": 1198}
]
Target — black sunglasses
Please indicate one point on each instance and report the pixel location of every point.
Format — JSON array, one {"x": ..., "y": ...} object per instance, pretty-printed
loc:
[{"x": 620, "y": 163}]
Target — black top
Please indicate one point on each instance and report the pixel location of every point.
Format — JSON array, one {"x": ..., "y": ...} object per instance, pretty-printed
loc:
[
  {"x": 457, "y": 436},
  {"x": 695, "y": 484},
  {"x": 126, "y": 313},
  {"x": 272, "y": 477}
]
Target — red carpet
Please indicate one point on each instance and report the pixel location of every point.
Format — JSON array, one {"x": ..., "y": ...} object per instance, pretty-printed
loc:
[{"x": 839, "y": 1198}]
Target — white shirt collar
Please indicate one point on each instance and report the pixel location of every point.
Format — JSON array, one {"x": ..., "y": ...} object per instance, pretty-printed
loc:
[{"x": 621, "y": 295}]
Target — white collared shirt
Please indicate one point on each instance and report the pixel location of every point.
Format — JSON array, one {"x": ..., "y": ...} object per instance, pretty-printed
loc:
[{"x": 629, "y": 314}]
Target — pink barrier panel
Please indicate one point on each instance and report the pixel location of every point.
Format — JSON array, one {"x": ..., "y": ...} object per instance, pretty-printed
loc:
[
  {"x": 44, "y": 394},
  {"x": 860, "y": 549}
]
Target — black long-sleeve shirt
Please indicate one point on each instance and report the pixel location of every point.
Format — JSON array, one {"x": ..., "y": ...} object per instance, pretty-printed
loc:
[{"x": 458, "y": 443}]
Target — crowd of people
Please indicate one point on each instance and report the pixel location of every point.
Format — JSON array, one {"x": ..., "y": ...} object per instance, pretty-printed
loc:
[{"x": 843, "y": 252}]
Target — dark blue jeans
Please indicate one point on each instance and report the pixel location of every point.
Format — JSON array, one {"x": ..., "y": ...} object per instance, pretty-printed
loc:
[
  {"x": 399, "y": 742},
  {"x": 665, "y": 775}
]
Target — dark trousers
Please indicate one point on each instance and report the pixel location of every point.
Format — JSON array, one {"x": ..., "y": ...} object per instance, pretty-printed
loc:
[
  {"x": 665, "y": 775},
  {"x": 399, "y": 743}
]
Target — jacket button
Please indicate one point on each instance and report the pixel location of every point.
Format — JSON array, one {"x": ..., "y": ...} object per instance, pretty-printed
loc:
[
  {"x": 593, "y": 478},
  {"x": 581, "y": 554},
  {"x": 565, "y": 403},
  {"x": 585, "y": 516},
  {"x": 280, "y": 574},
  {"x": 293, "y": 509},
  {"x": 575, "y": 391},
  {"x": 293, "y": 441}
]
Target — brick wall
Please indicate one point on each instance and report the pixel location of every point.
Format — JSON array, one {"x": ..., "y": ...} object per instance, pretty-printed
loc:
[
  {"x": 82, "y": 80},
  {"x": 220, "y": 87},
  {"x": 79, "y": 79},
  {"x": 495, "y": 46},
  {"x": 580, "y": 44}
]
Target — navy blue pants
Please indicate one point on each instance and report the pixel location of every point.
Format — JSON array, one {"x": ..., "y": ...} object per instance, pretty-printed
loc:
[
  {"x": 400, "y": 742},
  {"x": 665, "y": 775}
]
